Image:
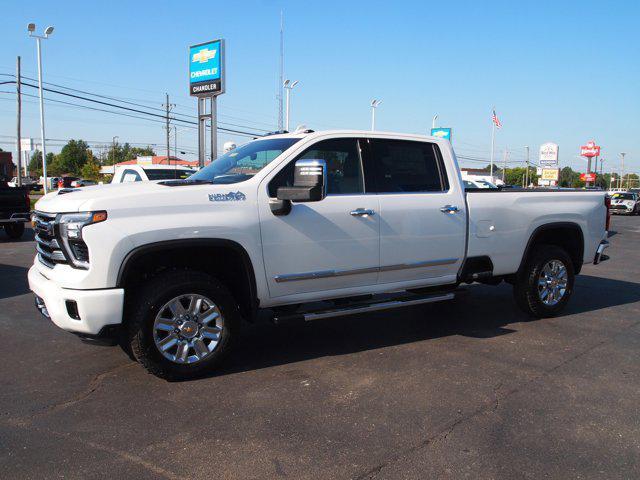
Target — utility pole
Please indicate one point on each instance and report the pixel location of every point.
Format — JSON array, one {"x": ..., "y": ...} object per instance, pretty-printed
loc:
[
  {"x": 526, "y": 177},
  {"x": 19, "y": 113},
  {"x": 168, "y": 106},
  {"x": 113, "y": 150}
]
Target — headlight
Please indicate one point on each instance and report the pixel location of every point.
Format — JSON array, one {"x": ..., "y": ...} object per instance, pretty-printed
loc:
[{"x": 70, "y": 228}]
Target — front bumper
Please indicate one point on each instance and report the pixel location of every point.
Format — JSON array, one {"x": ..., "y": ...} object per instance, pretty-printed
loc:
[
  {"x": 621, "y": 209},
  {"x": 85, "y": 312}
]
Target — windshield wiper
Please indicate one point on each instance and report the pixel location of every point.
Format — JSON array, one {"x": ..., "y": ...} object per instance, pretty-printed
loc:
[{"x": 185, "y": 181}]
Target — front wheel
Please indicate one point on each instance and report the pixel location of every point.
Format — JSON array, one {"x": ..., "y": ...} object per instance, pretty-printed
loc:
[
  {"x": 544, "y": 286},
  {"x": 181, "y": 325},
  {"x": 14, "y": 230}
]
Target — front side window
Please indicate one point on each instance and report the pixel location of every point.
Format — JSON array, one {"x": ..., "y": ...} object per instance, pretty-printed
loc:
[
  {"x": 407, "y": 166},
  {"x": 243, "y": 162},
  {"x": 344, "y": 168}
]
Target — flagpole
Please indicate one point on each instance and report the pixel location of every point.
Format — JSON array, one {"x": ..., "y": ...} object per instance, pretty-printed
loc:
[{"x": 493, "y": 138}]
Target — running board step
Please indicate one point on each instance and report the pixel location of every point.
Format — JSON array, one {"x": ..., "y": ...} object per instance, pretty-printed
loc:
[{"x": 355, "y": 309}]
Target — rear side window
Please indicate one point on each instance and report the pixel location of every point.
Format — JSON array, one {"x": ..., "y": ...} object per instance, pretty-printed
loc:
[{"x": 408, "y": 166}]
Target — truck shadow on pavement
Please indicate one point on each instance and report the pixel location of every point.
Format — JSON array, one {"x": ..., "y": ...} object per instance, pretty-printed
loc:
[{"x": 484, "y": 312}]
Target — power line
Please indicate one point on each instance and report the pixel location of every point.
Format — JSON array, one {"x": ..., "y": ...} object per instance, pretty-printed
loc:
[{"x": 224, "y": 129}]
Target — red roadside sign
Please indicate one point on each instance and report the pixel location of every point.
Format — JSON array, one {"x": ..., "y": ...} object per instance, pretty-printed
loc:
[
  {"x": 590, "y": 149},
  {"x": 588, "y": 177}
]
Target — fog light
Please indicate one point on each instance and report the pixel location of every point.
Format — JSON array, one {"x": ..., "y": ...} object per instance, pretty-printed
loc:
[{"x": 72, "y": 309}]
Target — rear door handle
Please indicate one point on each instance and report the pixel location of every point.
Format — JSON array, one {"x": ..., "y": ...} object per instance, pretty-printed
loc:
[
  {"x": 450, "y": 209},
  {"x": 361, "y": 212}
]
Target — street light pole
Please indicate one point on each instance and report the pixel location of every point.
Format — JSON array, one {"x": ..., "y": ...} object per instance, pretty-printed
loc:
[
  {"x": 621, "y": 176},
  {"x": 374, "y": 104},
  {"x": 288, "y": 86},
  {"x": 48, "y": 31},
  {"x": 433, "y": 121}
]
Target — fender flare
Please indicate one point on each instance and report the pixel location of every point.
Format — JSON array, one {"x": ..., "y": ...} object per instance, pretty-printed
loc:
[
  {"x": 551, "y": 226},
  {"x": 141, "y": 250}
]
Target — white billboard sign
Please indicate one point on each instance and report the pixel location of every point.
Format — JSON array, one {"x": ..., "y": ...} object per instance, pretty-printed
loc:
[
  {"x": 26, "y": 144},
  {"x": 549, "y": 154}
]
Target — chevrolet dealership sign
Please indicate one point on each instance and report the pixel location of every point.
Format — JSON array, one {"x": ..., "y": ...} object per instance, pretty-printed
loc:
[{"x": 206, "y": 68}]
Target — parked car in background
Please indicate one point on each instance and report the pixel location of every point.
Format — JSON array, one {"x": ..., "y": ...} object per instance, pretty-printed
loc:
[
  {"x": 626, "y": 202},
  {"x": 477, "y": 183},
  {"x": 15, "y": 206},
  {"x": 65, "y": 182},
  {"x": 83, "y": 182},
  {"x": 146, "y": 173},
  {"x": 30, "y": 183}
]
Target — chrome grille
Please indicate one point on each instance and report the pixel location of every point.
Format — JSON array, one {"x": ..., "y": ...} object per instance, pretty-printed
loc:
[{"x": 47, "y": 244}]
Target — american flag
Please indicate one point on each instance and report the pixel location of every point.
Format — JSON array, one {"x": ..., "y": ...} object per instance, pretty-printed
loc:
[{"x": 496, "y": 122}]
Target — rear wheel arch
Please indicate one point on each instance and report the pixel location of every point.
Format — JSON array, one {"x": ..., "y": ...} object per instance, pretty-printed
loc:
[
  {"x": 566, "y": 235},
  {"x": 226, "y": 260}
]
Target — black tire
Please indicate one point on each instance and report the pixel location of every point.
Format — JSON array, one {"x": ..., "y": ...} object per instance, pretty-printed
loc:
[
  {"x": 142, "y": 309},
  {"x": 525, "y": 289},
  {"x": 14, "y": 230}
]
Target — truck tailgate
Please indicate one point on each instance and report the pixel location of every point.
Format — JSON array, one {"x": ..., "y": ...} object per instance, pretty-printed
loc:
[{"x": 13, "y": 200}]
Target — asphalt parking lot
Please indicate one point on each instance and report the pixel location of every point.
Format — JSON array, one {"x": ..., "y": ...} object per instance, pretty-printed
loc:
[{"x": 470, "y": 389}]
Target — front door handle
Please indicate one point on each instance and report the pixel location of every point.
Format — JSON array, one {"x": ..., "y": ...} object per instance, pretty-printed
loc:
[
  {"x": 361, "y": 212},
  {"x": 450, "y": 209}
]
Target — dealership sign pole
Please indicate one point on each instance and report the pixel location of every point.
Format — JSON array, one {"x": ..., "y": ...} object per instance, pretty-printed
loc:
[{"x": 207, "y": 81}]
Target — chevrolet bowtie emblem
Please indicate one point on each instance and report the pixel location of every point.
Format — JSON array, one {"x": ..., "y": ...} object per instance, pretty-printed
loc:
[{"x": 204, "y": 55}]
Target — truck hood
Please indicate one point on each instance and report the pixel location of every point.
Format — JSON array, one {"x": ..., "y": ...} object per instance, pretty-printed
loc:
[{"x": 78, "y": 199}]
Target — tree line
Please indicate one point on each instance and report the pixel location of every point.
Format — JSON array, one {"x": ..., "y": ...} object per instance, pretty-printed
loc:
[
  {"x": 567, "y": 178},
  {"x": 78, "y": 160}
]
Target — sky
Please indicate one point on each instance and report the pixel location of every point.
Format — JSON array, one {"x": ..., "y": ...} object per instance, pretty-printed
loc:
[{"x": 556, "y": 71}]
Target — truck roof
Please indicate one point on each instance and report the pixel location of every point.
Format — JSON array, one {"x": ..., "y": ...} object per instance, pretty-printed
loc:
[{"x": 355, "y": 133}]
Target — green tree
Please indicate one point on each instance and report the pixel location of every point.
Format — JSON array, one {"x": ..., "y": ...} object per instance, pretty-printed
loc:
[
  {"x": 71, "y": 158},
  {"x": 35, "y": 164},
  {"x": 91, "y": 169},
  {"x": 119, "y": 153}
]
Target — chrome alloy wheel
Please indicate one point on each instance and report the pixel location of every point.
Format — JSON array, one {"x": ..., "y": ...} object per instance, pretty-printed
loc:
[
  {"x": 187, "y": 328},
  {"x": 552, "y": 282}
]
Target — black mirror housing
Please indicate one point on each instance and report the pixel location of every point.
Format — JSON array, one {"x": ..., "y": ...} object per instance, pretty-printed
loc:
[{"x": 309, "y": 182}]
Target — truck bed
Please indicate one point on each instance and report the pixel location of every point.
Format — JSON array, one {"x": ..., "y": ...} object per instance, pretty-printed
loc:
[{"x": 502, "y": 222}]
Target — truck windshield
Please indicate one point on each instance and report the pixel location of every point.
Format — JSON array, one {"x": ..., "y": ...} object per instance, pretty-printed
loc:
[{"x": 244, "y": 162}]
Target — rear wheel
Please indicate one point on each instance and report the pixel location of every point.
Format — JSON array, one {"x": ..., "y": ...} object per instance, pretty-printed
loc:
[
  {"x": 14, "y": 230},
  {"x": 182, "y": 324},
  {"x": 545, "y": 284}
]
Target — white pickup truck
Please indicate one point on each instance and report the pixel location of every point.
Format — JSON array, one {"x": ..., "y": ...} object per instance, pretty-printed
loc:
[{"x": 297, "y": 227}]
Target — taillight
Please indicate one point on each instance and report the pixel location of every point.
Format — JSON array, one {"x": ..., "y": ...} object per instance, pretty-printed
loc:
[{"x": 607, "y": 204}]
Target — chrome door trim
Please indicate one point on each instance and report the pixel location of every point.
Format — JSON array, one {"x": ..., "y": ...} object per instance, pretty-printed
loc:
[
  {"x": 291, "y": 277},
  {"x": 428, "y": 263}
]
